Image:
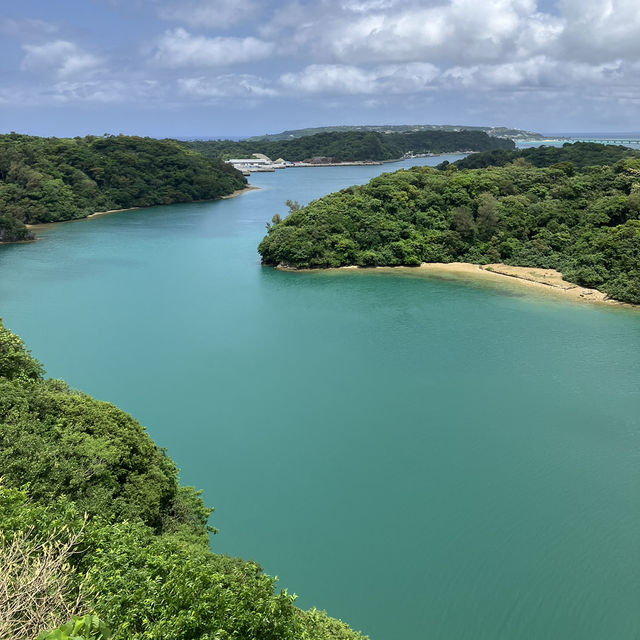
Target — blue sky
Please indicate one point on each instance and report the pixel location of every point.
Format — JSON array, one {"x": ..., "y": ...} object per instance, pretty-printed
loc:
[{"x": 244, "y": 67}]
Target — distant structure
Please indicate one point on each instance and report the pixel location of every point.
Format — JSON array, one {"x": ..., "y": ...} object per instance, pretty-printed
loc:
[{"x": 259, "y": 162}]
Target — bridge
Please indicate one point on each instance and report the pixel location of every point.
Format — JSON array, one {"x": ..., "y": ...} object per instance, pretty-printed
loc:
[{"x": 607, "y": 140}]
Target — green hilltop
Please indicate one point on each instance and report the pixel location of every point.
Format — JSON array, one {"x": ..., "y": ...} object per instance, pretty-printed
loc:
[{"x": 55, "y": 179}]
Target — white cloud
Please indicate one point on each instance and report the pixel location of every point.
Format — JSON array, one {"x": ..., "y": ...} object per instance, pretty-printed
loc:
[
  {"x": 68, "y": 91},
  {"x": 106, "y": 91},
  {"x": 601, "y": 30},
  {"x": 350, "y": 80},
  {"x": 211, "y": 14},
  {"x": 365, "y": 6},
  {"x": 588, "y": 46},
  {"x": 64, "y": 58},
  {"x": 26, "y": 27},
  {"x": 352, "y": 51},
  {"x": 178, "y": 48},
  {"x": 454, "y": 31},
  {"x": 226, "y": 86},
  {"x": 103, "y": 91},
  {"x": 536, "y": 73},
  {"x": 330, "y": 78}
]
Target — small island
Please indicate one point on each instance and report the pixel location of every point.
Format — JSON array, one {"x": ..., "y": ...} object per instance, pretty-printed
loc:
[{"x": 575, "y": 210}]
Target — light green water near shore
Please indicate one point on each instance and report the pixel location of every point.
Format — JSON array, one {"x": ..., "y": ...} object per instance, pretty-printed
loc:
[{"x": 422, "y": 458}]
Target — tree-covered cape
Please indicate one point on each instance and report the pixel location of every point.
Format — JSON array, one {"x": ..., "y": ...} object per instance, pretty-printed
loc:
[
  {"x": 54, "y": 179},
  {"x": 581, "y": 219},
  {"x": 94, "y": 520}
]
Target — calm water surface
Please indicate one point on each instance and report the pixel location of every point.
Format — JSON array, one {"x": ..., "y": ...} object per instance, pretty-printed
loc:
[{"x": 421, "y": 457}]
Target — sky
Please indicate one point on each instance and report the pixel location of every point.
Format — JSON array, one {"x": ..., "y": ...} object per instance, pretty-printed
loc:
[{"x": 231, "y": 68}]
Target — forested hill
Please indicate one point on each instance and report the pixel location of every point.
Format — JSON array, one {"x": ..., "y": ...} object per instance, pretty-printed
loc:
[
  {"x": 583, "y": 221},
  {"x": 93, "y": 521},
  {"x": 350, "y": 146},
  {"x": 53, "y": 179},
  {"x": 579, "y": 154}
]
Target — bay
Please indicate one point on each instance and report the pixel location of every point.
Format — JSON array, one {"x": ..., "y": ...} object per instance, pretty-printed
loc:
[{"x": 423, "y": 458}]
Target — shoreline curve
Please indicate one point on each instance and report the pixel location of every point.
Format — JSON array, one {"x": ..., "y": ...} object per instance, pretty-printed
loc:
[
  {"x": 547, "y": 281},
  {"x": 96, "y": 214}
]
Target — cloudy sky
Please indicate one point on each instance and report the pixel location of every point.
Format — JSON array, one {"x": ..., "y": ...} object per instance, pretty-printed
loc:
[{"x": 244, "y": 67}]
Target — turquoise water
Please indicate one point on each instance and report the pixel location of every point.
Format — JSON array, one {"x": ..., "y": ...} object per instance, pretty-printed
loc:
[{"x": 421, "y": 457}]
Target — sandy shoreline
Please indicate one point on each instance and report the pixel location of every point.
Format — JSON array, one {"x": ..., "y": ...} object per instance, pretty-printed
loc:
[
  {"x": 235, "y": 194},
  {"x": 546, "y": 281}
]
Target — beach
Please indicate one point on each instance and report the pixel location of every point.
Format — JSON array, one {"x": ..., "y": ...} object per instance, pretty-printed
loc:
[
  {"x": 541, "y": 280},
  {"x": 544, "y": 281}
]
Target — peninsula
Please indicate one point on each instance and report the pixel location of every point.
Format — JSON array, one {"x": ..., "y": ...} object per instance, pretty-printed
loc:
[
  {"x": 58, "y": 179},
  {"x": 577, "y": 212}
]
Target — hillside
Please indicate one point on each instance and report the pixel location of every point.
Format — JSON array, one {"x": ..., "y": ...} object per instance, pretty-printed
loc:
[
  {"x": 583, "y": 221},
  {"x": 93, "y": 520},
  {"x": 54, "y": 179},
  {"x": 499, "y": 132},
  {"x": 579, "y": 154},
  {"x": 349, "y": 146}
]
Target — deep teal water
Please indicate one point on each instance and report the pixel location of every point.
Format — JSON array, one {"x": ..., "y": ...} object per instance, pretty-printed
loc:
[{"x": 423, "y": 458}]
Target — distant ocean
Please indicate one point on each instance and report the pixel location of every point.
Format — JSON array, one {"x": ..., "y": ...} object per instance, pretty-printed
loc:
[{"x": 595, "y": 135}]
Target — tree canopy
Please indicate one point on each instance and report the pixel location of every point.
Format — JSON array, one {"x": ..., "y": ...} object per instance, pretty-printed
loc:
[
  {"x": 579, "y": 154},
  {"x": 54, "y": 179},
  {"x": 583, "y": 220}
]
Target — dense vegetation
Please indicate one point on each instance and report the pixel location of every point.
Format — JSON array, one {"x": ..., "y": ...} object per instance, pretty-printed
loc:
[
  {"x": 350, "y": 146},
  {"x": 12, "y": 230},
  {"x": 94, "y": 521},
  {"x": 502, "y": 132},
  {"x": 583, "y": 221},
  {"x": 52, "y": 179},
  {"x": 580, "y": 154}
]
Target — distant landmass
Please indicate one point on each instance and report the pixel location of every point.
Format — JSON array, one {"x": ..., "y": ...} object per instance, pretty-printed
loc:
[
  {"x": 497, "y": 132},
  {"x": 580, "y": 155},
  {"x": 354, "y": 146}
]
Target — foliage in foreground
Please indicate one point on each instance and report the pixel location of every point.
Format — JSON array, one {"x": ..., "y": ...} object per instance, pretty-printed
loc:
[
  {"x": 584, "y": 223},
  {"x": 87, "y": 627},
  {"x": 93, "y": 509},
  {"x": 37, "y": 588},
  {"x": 53, "y": 179}
]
